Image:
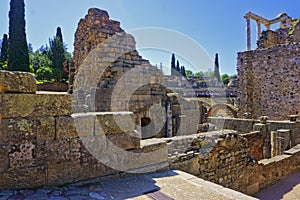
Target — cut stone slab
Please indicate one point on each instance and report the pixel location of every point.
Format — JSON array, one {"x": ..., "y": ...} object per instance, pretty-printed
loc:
[
  {"x": 35, "y": 105},
  {"x": 114, "y": 123},
  {"x": 22, "y": 82}
]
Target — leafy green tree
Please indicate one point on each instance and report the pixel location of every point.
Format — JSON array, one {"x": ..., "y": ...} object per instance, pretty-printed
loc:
[
  {"x": 38, "y": 60},
  {"x": 189, "y": 73},
  {"x": 44, "y": 73},
  {"x": 18, "y": 57},
  {"x": 233, "y": 76},
  {"x": 4, "y": 49},
  {"x": 225, "y": 78},
  {"x": 199, "y": 74}
]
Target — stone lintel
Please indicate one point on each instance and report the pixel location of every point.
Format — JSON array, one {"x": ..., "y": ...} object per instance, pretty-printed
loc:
[{"x": 20, "y": 82}]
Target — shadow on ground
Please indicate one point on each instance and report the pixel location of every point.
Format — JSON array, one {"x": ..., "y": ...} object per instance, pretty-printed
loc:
[{"x": 287, "y": 189}]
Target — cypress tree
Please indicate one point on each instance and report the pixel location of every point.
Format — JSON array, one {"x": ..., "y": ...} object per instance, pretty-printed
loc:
[
  {"x": 217, "y": 70},
  {"x": 177, "y": 66},
  {"x": 59, "y": 34},
  {"x": 173, "y": 61},
  {"x": 57, "y": 55},
  {"x": 4, "y": 49},
  {"x": 18, "y": 57}
]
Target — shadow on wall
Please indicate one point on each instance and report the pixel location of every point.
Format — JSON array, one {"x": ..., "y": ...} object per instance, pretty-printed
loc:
[{"x": 284, "y": 188}]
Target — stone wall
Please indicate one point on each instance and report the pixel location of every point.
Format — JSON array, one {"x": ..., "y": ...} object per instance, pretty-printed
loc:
[
  {"x": 285, "y": 134},
  {"x": 268, "y": 81},
  {"x": 112, "y": 76},
  {"x": 42, "y": 144},
  {"x": 228, "y": 159}
]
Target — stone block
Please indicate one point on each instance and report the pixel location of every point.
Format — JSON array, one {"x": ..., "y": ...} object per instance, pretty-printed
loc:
[
  {"x": 59, "y": 173},
  {"x": 114, "y": 123},
  {"x": 84, "y": 123},
  {"x": 34, "y": 105},
  {"x": 65, "y": 128},
  {"x": 25, "y": 178},
  {"x": 22, "y": 130},
  {"x": 57, "y": 151},
  {"x": 22, "y": 82},
  {"x": 69, "y": 172},
  {"x": 24, "y": 155},
  {"x": 3, "y": 158},
  {"x": 154, "y": 144},
  {"x": 126, "y": 141}
]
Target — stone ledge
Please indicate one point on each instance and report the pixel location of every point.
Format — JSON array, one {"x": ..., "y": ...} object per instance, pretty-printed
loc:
[
  {"x": 151, "y": 145},
  {"x": 293, "y": 150},
  {"x": 105, "y": 122},
  {"x": 35, "y": 105},
  {"x": 22, "y": 82},
  {"x": 274, "y": 159}
]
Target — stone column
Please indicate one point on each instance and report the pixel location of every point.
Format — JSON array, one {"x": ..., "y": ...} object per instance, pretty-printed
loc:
[
  {"x": 248, "y": 35},
  {"x": 258, "y": 29},
  {"x": 169, "y": 121}
]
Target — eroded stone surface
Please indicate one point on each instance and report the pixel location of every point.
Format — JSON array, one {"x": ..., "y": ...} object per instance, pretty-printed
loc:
[
  {"x": 34, "y": 105},
  {"x": 17, "y": 82}
]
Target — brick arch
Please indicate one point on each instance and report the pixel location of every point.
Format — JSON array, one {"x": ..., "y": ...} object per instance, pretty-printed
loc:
[{"x": 217, "y": 107}]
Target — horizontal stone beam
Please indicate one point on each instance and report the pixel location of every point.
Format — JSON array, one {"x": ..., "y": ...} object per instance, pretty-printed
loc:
[
  {"x": 22, "y": 82},
  {"x": 35, "y": 105}
]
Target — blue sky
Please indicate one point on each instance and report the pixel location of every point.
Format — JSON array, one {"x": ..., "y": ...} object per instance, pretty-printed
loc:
[{"x": 217, "y": 25}]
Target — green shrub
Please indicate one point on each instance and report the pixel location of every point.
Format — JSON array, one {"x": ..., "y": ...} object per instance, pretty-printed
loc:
[{"x": 44, "y": 73}]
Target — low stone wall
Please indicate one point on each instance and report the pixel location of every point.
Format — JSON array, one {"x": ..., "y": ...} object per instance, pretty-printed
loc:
[
  {"x": 229, "y": 159},
  {"x": 248, "y": 125}
]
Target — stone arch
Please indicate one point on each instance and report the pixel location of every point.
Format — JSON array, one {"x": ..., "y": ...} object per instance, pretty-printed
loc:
[{"x": 227, "y": 107}]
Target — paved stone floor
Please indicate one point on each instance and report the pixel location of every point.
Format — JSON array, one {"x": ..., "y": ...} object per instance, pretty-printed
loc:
[
  {"x": 286, "y": 189},
  {"x": 165, "y": 185}
]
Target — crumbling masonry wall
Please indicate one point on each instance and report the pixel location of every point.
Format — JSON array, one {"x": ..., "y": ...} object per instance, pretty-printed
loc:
[
  {"x": 225, "y": 158},
  {"x": 268, "y": 81}
]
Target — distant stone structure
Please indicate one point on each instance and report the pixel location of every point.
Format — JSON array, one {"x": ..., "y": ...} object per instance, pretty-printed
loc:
[
  {"x": 112, "y": 76},
  {"x": 268, "y": 77}
]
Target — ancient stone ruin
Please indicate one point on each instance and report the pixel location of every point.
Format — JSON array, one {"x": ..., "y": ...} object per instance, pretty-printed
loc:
[
  {"x": 50, "y": 139},
  {"x": 268, "y": 77},
  {"x": 112, "y": 76}
]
